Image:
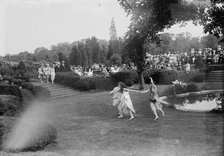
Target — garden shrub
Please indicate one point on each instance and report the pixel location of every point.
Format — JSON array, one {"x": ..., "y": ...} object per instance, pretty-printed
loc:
[
  {"x": 6, "y": 89},
  {"x": 182, "y": 88},
  {"x": 192, "y": 76},
  {"x": 127, "y": 77},
  {"x": 6, "y": 70},
  {"x": 160, "y": 76},
  {"x": 104, "y": 84},
  {"x": 9, "y": 105},
  {"x": 6, "y": 124},
  {"x": 66, "y": 78},
  {"x": 45, "y": 134},
  {"x": 84, "y": 84},
  {"x": 23, "y": 78}
]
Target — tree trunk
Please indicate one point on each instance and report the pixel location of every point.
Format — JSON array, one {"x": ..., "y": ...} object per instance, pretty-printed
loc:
[{"x": 141, "y": 80}]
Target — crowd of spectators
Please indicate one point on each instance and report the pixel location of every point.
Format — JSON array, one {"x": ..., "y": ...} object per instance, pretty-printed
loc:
[{"x": 182, "y": 61}]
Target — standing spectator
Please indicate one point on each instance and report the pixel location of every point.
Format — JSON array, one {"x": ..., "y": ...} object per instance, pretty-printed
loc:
[
  {"x": 188, "y": 67},
  {"x": 57, "y": 68},
  {"x": 41, "y": 73},
  {"x": 52, "y": 72},
  {"x": 47, "y": 72}
]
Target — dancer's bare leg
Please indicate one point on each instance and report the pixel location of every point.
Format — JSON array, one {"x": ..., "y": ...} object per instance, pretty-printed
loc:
[
  {"x": 131, "y": 114},
  {"x": 159, "y": 107},
  {"x": 119, "y": 107},
  {"x": 153, "y": 107}
]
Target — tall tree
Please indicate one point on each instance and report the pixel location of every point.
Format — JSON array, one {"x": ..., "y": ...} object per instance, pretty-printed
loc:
[
  {"x": 81, "y": 48},
  {"x": 75, "y": 56},
  {"x": 113, "y": 42},
  {"x": 148, "y": 18}
]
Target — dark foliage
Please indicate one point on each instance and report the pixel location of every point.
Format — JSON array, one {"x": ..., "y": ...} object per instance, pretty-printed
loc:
[
  {"x": 9, "y": 105},
  {"x": 6, "y": 89},
  {"x": 66, "y": 78},
  {"x": 127, "y": 77}
]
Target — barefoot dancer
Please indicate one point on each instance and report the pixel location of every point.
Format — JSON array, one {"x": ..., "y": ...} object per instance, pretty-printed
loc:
[
  {"x": 122, "y": 99},
  {"x": 155, "y": 102}
]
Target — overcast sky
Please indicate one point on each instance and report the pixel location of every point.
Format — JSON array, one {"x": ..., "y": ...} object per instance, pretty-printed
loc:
[{"x": 29, "y": 24}]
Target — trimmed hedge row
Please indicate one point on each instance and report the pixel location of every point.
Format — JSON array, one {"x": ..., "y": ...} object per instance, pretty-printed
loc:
[
  {"x": 96, "y": 83},
  {"x": 161, "y": 76},
  {"x": 180, "y": 89}
]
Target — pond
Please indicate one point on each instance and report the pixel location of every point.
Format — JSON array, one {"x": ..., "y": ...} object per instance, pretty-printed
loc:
[{"x": 211, "y": 101}]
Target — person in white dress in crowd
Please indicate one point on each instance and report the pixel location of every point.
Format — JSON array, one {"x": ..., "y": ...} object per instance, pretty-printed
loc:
[
  {"x": 154, "y": 100},
  {"x": 41, "y": 73},
  {"x": 52, "y": 73},
  {"x": 122, "y": 100},
  {"x": 47, "y": 72}
]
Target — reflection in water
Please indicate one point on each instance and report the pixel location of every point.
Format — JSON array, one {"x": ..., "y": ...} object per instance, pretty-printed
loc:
[{"x": 199, "y": 103}]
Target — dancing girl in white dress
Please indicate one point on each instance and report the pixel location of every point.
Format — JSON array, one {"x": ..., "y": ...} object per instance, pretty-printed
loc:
[{"x": 122, "y": 100}]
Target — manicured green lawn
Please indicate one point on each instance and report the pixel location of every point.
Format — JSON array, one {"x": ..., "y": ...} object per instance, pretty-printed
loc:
[{"x": 87, "y": 124}]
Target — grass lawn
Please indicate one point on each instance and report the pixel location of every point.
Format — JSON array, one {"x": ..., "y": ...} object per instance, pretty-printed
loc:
[{"x": 87, "y": 124}]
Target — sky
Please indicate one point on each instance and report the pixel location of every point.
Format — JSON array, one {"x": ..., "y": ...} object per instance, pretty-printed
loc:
[{"x": 29, "y": 24}]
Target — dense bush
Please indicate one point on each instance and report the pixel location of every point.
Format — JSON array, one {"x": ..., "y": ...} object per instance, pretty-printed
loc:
[
  {"x": 97, "y": 83},
  {"x": 180, "y": 88},
  {"x": 6, "y": 89},
  {"x": 6, "y": 124},
  {"x": 127, "y": 77},
  {"x": 6, "y": 70},
  {"x": 9, "y": 105},
  {"x": 44, "y": 134},
  {"x": 66, "y": 78},
  {"x": 84, "y": 84},
  {"x": 23, "y": 78},
  {"x": 160, "y": 76},
  {"x": 192, "y": 76}
]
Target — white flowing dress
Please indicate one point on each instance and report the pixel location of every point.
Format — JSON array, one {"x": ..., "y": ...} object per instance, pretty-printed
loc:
[
  {"x": 126, "y": 102},
  {"x": 122, "y": 100}
]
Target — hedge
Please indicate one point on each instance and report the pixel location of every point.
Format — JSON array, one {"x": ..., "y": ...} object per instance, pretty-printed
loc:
[
  {"x": 127, "y": 77},
  {"x": 160, "y": 76},
  {"x": 6, "y": 89},
  {"x": 180, "y": 89},
  {"x": 45, "y": 134},
  {"x": 97, "y": 83},
  {"x": 9, "y": 105},
  {"x": 192, "y": 76},
  {"x": 66, "y": 78}
]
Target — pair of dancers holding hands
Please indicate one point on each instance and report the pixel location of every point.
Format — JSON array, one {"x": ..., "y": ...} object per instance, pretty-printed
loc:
[{"x": 122, "y": 100}]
